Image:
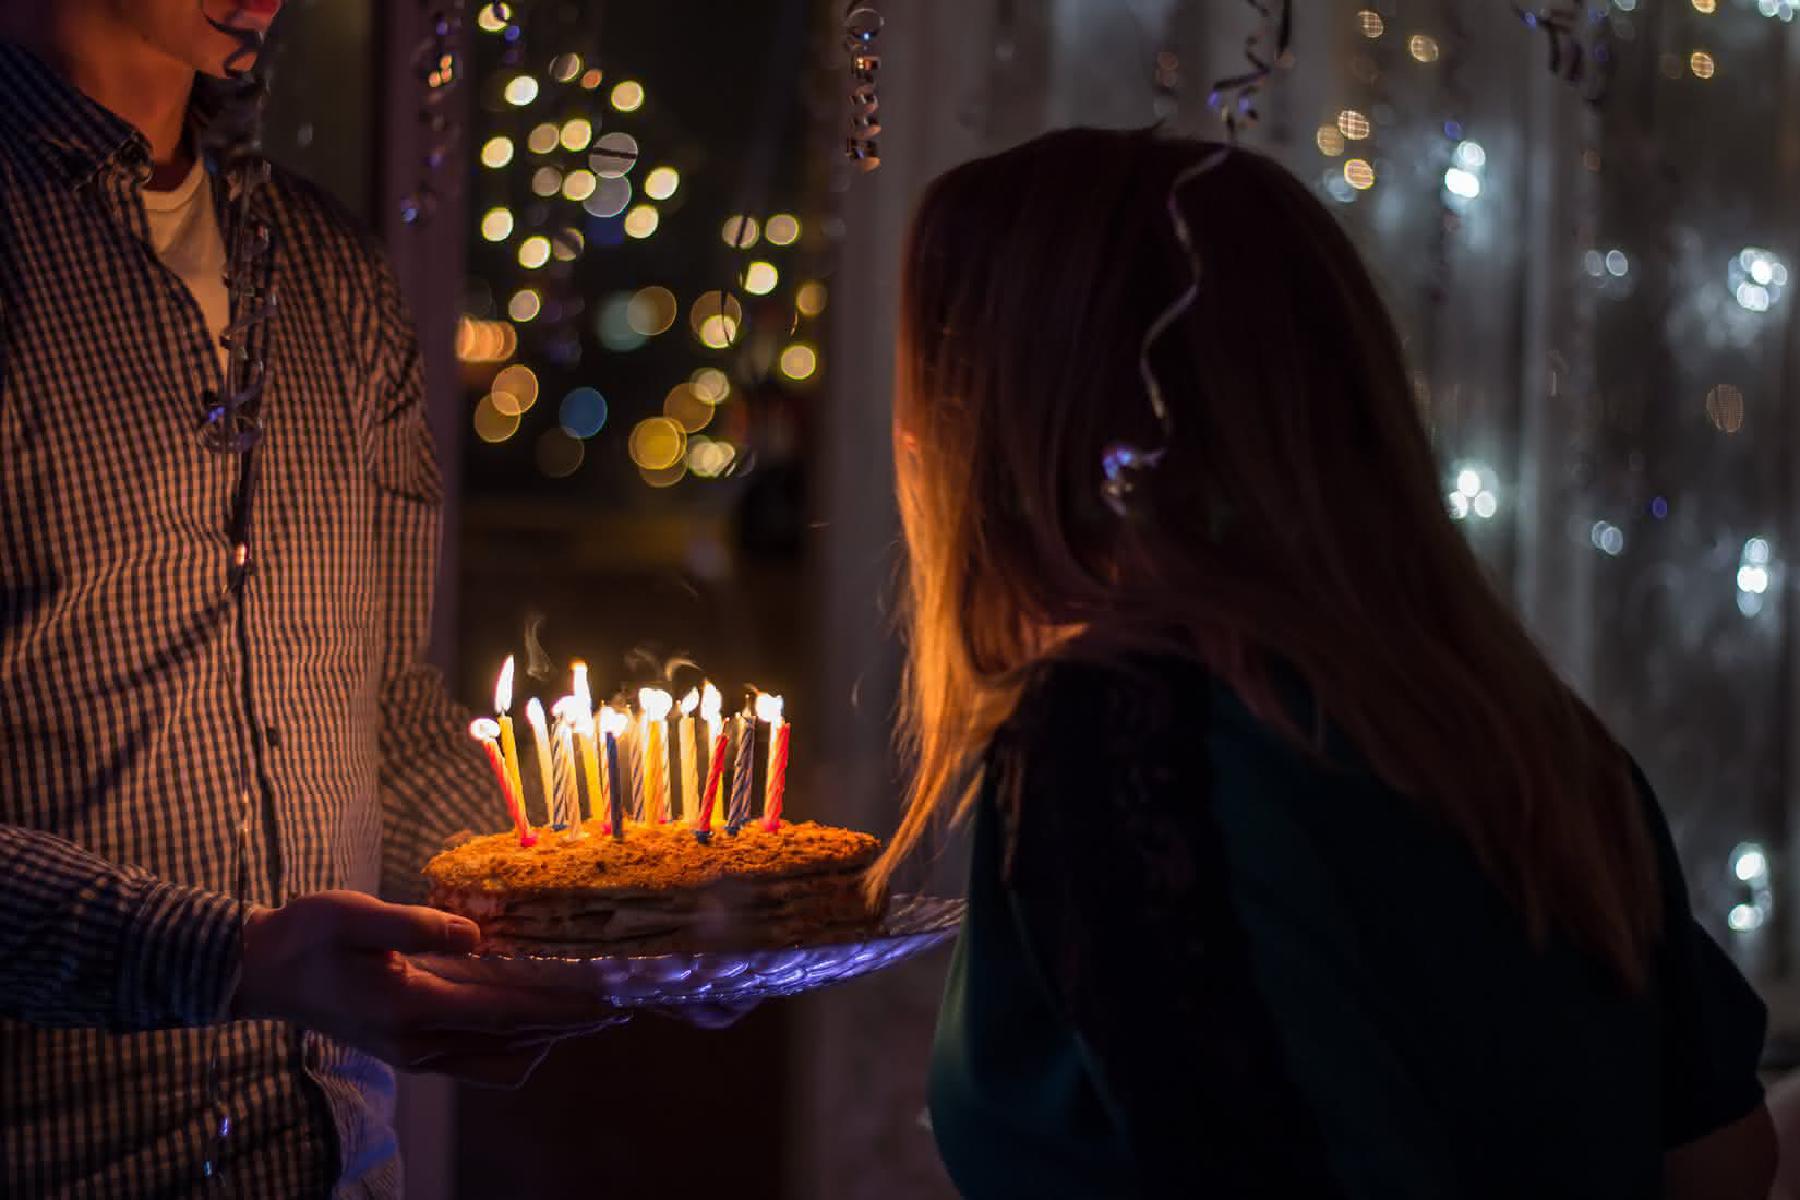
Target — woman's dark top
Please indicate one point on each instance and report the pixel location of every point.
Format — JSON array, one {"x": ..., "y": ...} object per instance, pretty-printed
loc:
[{"x": 1199, "y": 962}]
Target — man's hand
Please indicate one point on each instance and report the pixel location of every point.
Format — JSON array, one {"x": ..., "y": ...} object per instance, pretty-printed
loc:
[{"x": 335, "y": 962}]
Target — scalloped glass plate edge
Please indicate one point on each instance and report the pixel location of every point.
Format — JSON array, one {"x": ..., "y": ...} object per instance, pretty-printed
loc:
[{"x": 913, "y": 925}]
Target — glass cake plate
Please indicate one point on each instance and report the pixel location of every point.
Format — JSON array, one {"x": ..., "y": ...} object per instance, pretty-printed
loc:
[{"x": 913, "y": 925}]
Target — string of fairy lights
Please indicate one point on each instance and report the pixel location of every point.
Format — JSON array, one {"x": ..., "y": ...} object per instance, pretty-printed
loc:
[
  {"x": 1723, "y": 301},
  {"x": 1755, "y": 278},
  {"x": 572, "y": 162}
]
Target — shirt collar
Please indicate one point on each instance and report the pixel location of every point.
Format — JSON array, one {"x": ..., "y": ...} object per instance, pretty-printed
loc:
[{"x": 83, "y": 136}]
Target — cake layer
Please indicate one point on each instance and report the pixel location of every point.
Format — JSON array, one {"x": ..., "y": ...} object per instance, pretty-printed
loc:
[
  {"x": 659, "y": 890},
  {"x": 649, "y": 858}
]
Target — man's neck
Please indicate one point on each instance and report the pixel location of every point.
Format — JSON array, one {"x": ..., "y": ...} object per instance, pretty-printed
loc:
[{"x": 116, "y": 69}]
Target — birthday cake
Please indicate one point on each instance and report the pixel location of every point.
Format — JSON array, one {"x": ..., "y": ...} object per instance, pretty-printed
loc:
[{"x": 659, "y": 889}]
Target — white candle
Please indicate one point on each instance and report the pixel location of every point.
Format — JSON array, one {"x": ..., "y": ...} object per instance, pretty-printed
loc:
[
  {"x": 540, "y": 731},
  {"x": 690, "y": 763}
]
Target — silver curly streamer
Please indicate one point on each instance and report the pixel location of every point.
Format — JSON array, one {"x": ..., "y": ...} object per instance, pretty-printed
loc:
[
  {"x": 1123, "y": 465},
  {"x": 862, "y": 26},
  {"x": 1234, "y": 97},
  {"x": 1578, "y": 51},
  {"x": 439, "y": 67}
]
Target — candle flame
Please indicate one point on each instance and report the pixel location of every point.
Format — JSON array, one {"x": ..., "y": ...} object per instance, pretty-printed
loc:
[
  {"x": 711, "y": 704},
  {"x": 579, "y": 669},
  {"x": 484, "y": 729},
  {"x": 503, "y": 687},
  {"x": 654, "y": 703},
  {"x": 573, "y": 712},
  {"x": 534, "y": 712},
  {"x": 690, "y": 702},
  {"x": 769, "y": 708},
  {"x": 613, "y": 721}
]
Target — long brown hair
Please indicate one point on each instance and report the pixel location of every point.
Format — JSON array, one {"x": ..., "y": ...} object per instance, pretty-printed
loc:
[{"x": 1297, "y": 518}]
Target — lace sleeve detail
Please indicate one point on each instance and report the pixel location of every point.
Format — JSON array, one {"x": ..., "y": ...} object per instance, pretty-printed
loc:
[{"x": 1115, "y": 871}]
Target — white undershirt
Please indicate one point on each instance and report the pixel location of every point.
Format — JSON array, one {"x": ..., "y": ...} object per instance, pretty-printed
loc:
[{"x": 184, "y": 232}]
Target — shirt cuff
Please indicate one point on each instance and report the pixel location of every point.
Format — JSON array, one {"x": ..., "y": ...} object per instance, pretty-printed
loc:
[{"x": 180, "y": 957}]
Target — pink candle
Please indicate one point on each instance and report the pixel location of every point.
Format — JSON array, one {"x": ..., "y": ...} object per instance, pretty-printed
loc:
[
  {"x": 715, "y": 772},
  {"x": 487, "y": 732},
  {"x": 778, "y": 759}
]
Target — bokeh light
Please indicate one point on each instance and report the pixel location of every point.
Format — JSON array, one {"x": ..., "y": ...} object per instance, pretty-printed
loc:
[
  {"x": 496, "y": 152},
  {"x": 665, "y": 478},
  {"x": 577, "y": 132},
  {"x": 627, "y": 95},
  {"x": 583, "y": 412},
  {"x": 716, "y": 319},
  {"x": 783, "y": 229},
  {"x": 1370, "y": 24},
  {"x": 614, "y": 154},
  {"x": 609, "y": 197},
  {"x": 491, "y": 424},
  {"x": 760, "y": 278},
  {"x": 497, "y": 224},
  {"x": 657, "y": 443},
  {"x": 542, "y": 138},
  {"x": 711, "y": 385},
  {"x": 1359, "y": 174},
  {"x": 684, "y": 406},
  {"x": 1422, "y": 47},
  {"x": 613, "y": 323},
  {"x": 515, "y": 390},
  {"x": 1353, "y": 125},
  {"x": 524, "y": 305},
  {"x": 651, "y": 310},
  {"x": 799, "y": 361},
  {"x": 1725, "y": 407},
  {"x": 521, "y": 90},
  {"x": 739, "y": 231},
  {"x": 534, "y": 252},
  {"x": 579, "y": 184},
  {"x": 494, "y": 18},
  {"x": 1701, "y": 64},
  {"x": 482, "y": 341},
  {"x": 565, "y": 67},
  {"x": 546, "y": 181},
  {"x": 661, "y": 183},
  {"x": 567, "y": 244},
  {"x": 810, "y": 298},
  {"x": 710, "y": 459},
  {"x": 641, "y": 221},
  {"x": 1330, "y": 140},
  {"x": 559, "y": 455}
]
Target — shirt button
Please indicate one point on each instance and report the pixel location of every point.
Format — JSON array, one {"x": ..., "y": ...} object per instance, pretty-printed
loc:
[{"x": 272, "y": 737}]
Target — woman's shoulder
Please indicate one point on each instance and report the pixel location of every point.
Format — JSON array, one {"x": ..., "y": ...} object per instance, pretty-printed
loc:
[{"x": 1084, "y": 693}]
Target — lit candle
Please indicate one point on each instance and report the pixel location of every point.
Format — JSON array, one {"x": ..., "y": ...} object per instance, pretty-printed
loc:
[
  {"x": 487, "y": 731},
  {"x": 582, "y": 711},
  {"x": 769, "y": 708},
  {"x": 718, "y": 739},
  {"x": 509, "y": 747},
  {"x": 743, "y": 772},
  {"x": 562, "y": 749},
  {"x": 653, "y": 707},
  {"x": 534, "y": 716},
  {"x": 612, "y": 721},
  {"x": 687, "y": 744}
]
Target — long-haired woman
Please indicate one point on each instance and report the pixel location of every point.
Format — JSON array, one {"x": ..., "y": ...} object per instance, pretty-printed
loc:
[{"x": 1297, "y": 870}]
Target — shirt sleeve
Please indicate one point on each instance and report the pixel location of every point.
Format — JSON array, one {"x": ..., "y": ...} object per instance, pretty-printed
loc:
[
  {"x": 84, "y": 943},
  {"x": 1713, "y": 1020},
  {"x": 1116, "y": 877},
  {"x": 435, "y": 779}
]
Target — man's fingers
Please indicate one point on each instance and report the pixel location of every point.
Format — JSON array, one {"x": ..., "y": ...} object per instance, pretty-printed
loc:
[
  {"x": 434, "y": 1002},
  {"x": 411, "y": 929}
]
